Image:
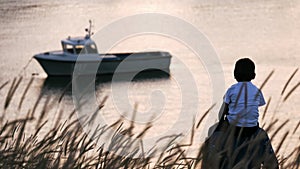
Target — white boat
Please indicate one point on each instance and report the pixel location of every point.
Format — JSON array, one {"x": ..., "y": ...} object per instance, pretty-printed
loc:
[{"x": 81, "y": 53}]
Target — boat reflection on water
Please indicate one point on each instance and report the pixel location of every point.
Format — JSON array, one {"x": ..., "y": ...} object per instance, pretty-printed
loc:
[{"x": 59, "y": 84}]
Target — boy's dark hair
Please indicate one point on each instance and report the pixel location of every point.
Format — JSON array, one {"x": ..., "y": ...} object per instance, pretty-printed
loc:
[{"x": 244, "y": 70}]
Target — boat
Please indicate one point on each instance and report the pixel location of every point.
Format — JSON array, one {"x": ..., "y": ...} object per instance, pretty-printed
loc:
[{"x": 80, "y": 55}]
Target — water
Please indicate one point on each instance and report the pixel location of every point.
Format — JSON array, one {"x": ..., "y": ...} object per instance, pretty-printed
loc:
[{"x": 266, "y": 31}]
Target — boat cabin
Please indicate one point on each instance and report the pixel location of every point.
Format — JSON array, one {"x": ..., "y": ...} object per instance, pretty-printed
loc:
[{"x": 79, "y": 45}]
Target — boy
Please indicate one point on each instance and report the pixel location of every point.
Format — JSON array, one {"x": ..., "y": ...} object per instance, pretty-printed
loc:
[
  {"x": 241, "y": 103},
  {"x": 243, "y": 99}
]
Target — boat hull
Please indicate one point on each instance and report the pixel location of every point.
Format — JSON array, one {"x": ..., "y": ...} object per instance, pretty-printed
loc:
[{"x": 119, "y": 63}]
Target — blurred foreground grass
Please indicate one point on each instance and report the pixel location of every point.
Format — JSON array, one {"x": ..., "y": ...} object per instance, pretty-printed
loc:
[{"x": 66, "y": 145}]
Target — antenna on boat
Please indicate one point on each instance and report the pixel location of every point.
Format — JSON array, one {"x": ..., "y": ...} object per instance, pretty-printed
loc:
[{"x": 89, "y": 30}]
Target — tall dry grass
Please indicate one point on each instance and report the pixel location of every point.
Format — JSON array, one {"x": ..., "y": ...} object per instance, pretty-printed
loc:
[{"x": 66, "y": 145}]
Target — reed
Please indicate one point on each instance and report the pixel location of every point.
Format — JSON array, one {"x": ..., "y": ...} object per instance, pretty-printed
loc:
[
  {"x": 25, "y": 92},
  {"x": 4, "y": 84},
  {"x": 266, "y": 108},
  {"x": 291, "y": 91},
  {"x": 289, "y": 80},
  {"x": 66, "y": 145},
  {"x": 15, "y": 84}
]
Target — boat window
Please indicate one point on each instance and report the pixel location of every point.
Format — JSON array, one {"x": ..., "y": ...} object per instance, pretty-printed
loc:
[
  {"x": 79, "y": 49},
  {"x": 68, "y": 48},
  {"x": 91, "y": 48}
]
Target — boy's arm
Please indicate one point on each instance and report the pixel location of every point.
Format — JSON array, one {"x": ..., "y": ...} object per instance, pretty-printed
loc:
[
  {"x": 262, "y": 99},
  {"x": 223, "y": 110}
]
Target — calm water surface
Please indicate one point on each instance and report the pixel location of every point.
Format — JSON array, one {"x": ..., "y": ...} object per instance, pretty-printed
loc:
[{"x": 266, "y": 31}]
